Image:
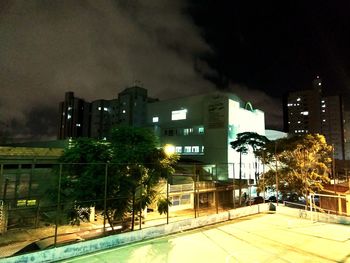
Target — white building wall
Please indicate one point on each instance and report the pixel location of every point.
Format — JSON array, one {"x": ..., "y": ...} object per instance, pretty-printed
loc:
[{"x": 222, "y": 116}]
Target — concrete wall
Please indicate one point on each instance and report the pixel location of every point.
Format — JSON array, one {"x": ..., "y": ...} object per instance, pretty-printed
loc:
[
  {"x": 95, "y": 245},
  {"x": 315, "y": 216}
]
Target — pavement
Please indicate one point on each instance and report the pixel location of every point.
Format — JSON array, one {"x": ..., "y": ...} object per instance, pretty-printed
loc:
[{"x": 258, "y": 238}]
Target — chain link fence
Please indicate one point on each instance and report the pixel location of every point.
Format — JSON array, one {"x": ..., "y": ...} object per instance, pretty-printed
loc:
[{"x": 48, "y": 205}]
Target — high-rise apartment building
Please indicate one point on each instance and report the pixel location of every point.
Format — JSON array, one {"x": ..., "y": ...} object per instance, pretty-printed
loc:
[
  {"x": 308, "y": 111},
  {"x": 104, "y": 114},
  {"x": 347, "y": 134},
  {"x": 133, "y": 106},
  {"x": 78, "y": 118},
  {"x": 74, "y": 114}
]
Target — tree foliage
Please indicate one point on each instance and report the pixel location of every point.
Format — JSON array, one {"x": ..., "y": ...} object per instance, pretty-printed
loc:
[
  {"x": 130, "y": 160},
  {"x": 301, "y": 164}
]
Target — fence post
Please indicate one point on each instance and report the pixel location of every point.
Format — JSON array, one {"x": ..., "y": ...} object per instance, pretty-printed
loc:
[
  {"x": 167, "y": 197},
  {"x": 105, "y": 200},
  {"x": 195, "y": 196},
  {"x": 58, "y": 203},
  {"x": 140, "y": 215}
]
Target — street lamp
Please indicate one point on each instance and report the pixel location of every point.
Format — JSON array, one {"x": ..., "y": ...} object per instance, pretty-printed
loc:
[{"x": 169, "y": 149}]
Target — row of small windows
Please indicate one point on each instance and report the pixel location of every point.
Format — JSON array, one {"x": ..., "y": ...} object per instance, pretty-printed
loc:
[
  {"x": 104, "y": 108},
  {"x": 189, "y": 149},
  {"x": 184, "y": 131},
  {"x": 175, "y": 115},
  {"x": 293, "y": 104},
  {"x": 300, "y": 131}
]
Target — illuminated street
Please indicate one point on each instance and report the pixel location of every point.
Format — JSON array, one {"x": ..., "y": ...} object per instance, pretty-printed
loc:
[{"x": 260, "y": 238}]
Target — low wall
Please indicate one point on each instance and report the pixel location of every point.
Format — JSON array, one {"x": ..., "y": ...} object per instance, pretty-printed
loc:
[
  {"x": 315, "y": 216},
  {"x": 91, "y": 246}
]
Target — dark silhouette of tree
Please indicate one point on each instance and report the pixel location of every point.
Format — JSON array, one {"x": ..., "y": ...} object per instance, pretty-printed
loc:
[
  {"x": 133, "y": 165},
  {"x": 242, "y": 143}
]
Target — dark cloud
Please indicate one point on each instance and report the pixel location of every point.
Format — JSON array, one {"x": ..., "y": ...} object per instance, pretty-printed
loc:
[{"x": 96, "y": 49}]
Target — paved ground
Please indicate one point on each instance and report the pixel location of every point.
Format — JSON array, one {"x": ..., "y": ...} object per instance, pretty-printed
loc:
[{"x": 260, "y": 238}]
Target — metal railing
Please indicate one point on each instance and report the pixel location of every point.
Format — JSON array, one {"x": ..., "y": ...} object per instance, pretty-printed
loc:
[{"x": 44, "y": 202}]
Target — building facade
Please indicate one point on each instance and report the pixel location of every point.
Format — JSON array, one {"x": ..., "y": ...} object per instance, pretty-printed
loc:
[
  {"x": 308, "y": 111},
  {"x": 200, "y": 128},
  {"x": 74, "y": 117},
  {"x": 78, "y": 118}
]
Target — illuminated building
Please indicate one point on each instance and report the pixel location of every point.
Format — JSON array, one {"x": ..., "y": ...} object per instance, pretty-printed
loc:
[
  {"x": 201, "y": 128},
  {"x": 308, "y": 111}
]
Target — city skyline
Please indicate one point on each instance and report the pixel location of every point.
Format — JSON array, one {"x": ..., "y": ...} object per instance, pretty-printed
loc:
[{"x": 175, "y": 49}]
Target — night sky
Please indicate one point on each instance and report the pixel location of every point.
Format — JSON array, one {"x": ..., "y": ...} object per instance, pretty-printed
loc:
[{"x": 256, "y": 49}]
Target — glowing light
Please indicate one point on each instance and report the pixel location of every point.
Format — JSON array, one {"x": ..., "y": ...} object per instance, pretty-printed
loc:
[{"x": 169, "y": 149}]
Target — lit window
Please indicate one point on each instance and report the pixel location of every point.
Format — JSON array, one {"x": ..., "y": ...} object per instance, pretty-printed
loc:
[
  {"x": 186, "y": 131},
  {"x": 319, "y": 84},
  {"x": 105, "y": 109},
  {"x": 323, "y": 110},
  {"x": 202, "y": 149},
  {"x": 324, "y": 120},
  {"x": 178, "y": 115},
  {"x": 124, "y": 111},
  {"x": 298, "y": 99},
  {"x": 178, "y": 149},
  {"x": 304, "y": 113},
  {"x": 187, "y": 149},
  {"x": 195, "y": 149},
  {"x": 201, "y": 130},
  {"x": 323, "y": 106},
  {"x": 78, "y": 125},
  {"x": 155, "y": 119},
  {"x": 69, "y": 116},
  {"x": 69, "y": 108},
  {"x": 99, "y": 108},
  {"x": 175, "y": 200},
  {"x": 299, "y": 121}
]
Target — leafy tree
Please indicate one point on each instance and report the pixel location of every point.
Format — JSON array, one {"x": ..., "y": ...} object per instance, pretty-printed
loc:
[
  {"x": 303, "y": 164},
  {"x": 132, "y": 162},
  {"x": 84, "y": 170}
]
